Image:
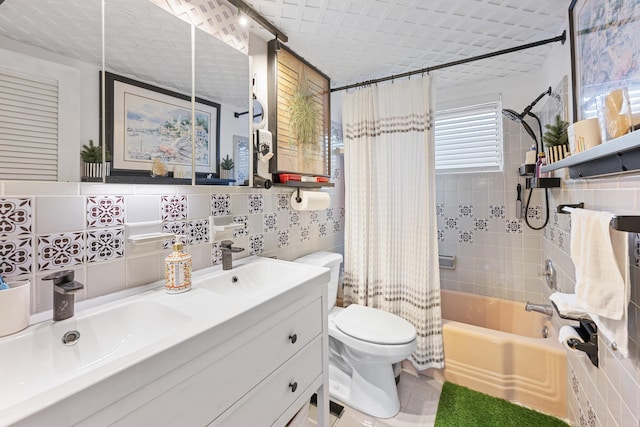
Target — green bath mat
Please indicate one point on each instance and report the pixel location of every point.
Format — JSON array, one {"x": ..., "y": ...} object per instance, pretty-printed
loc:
[{"x": 462, "y": 407}]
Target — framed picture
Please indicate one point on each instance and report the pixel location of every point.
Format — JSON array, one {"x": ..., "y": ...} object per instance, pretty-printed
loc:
[
  {"x": 299, "y": 116},
  {"x": 146, "y": 122},
  {"x": 605, "y": 41}
]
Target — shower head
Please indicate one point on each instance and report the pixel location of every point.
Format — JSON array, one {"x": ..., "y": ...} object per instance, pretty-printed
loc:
[{"x": 512, "y": 115}]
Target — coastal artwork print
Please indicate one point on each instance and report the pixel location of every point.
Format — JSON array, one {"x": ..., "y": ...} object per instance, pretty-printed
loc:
[
  {"x": 605, "y": 42},
  {"x": 150, "y": 123}
]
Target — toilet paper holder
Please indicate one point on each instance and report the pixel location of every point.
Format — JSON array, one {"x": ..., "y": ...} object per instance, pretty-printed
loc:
[{"x": 588, "y": 331}]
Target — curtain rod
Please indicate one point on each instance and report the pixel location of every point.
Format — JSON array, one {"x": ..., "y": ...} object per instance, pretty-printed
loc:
[{"x": 561, "y": 38}]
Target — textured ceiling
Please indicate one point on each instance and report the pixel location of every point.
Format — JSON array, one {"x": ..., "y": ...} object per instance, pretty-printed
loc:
[{"x": 358, "y": 40}]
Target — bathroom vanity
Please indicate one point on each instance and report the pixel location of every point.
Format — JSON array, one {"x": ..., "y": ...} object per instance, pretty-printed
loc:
[{"x": 244, "y": 347}]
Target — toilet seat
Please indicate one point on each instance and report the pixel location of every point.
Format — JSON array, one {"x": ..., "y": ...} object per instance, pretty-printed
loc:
[{"x": 374, "y": 326}]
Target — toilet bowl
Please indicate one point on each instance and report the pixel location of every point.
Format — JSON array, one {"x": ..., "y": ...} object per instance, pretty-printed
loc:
[{"x": 364, "y": 343}]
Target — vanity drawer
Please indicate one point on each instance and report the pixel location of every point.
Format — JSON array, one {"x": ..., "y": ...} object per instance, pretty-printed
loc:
[
  {"x": 208, "y": 393},
  {"x": 264, "y": 405}
]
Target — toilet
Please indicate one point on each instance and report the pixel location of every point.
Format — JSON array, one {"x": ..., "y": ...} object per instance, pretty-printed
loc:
[{"x": 364, "y": 343}]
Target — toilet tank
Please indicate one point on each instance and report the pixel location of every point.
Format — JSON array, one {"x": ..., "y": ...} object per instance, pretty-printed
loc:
[{"x": 330, "y": 260}]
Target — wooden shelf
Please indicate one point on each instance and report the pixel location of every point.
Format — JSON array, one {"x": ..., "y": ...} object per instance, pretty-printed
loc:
[{"x": 612, "y": 157}]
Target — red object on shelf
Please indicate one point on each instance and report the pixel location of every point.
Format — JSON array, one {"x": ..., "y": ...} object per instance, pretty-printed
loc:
[
  {"x": 322, "y": 179},
  {"x": 284, "y": 177}
]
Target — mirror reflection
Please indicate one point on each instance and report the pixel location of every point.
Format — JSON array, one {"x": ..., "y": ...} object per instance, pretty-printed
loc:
[{"x": 56, "y": 55}]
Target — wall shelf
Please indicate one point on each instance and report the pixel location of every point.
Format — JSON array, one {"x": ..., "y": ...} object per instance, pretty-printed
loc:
[
  {"x": 613, "y": 157},
  {"x": 543, "y": 182},
  {"x": 301, "y": 184}
]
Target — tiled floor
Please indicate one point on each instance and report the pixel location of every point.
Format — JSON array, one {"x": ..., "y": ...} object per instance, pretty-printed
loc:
[{"x": 419, "y": 396}]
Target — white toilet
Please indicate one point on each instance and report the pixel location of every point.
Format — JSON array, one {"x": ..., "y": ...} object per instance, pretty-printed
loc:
[{"x": 364, "y": 342}]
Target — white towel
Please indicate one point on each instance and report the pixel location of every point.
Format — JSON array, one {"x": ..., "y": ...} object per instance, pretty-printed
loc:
[
  {"x": 600, "y": 256},
  {"x": 568, "y": 305}
]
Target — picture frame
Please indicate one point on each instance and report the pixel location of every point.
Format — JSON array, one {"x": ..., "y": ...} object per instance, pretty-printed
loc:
[
  {"x": 290, "y": 78},
  {"x": 604, "y": 39},
  {"x": 144, "y": 122}
]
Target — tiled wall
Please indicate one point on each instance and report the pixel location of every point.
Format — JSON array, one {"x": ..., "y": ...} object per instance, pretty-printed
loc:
[
  {"x": 609, "y": 395},
  {"x": 496, "y": 253},
  {"x": 45, "y": 227}
]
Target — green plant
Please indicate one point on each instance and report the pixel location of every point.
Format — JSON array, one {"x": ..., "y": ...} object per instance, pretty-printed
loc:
[
  {"x": 226, "y": 163},
  {"x": 304, "y": 115},
  {"x": 556, "y": 133},
  {"x": 93, "y": 153}
]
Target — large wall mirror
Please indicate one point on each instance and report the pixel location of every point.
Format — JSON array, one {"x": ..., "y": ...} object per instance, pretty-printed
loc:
[{"x": 56, "y": 56}]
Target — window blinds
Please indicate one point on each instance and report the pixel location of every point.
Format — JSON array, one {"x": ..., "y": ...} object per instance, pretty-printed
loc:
[
  {"x": 28, "y": 128},
  {"x": 469, "y": 138}
]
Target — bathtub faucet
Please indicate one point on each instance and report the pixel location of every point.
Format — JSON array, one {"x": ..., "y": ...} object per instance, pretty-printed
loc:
[{"x": 540, "y": 308}]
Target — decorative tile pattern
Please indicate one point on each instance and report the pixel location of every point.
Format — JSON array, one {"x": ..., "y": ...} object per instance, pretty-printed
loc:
[
  {"x": 16, "y": 256},
  {"x": 481, "y": 224},
  {"x": 322, "y": 229},
  {"x": 282, "y": 202},
  {"x": 513, "y": 226},
  {"x": 583, "y": 419},
  {"x": 242, "y": 219},
  {"x": 336, "y": 227},
  {"x": 173, "y": 208},
  {"x": 465, "y": 237},
  {"x": 15, "y": 217},
  {"x": 105, "y": 211},
  {"x": 216, "y": 253},
  {"x": 256, "y": 244},
  {"x": 198, "y": 231},
  {"x": 270, "y": 222},
  {"x": 329, "y": 214},
  {"x": 313, "y": 217},
  {"x": 451, "y": 223},
  {"x": 534, "y": 212},
  {"x": 555, "y": 218},
  {"x": 439, "y": 210},
  {"x": 176, "y": 227},
  {"x": 552, "y": 236},
  {"x": 256, "y": 203},
  {"x": 465, "y": 211},
  {"x": 497, "y": 211},
  {"x": 283, "y": 238},
  {"x": 60, "y": 250},
  {"x": 575, "y": 385},
  {"x": 440, "y": 235},
  {"x": 304, "y": 234},
  {"x": 104, "y": 245},
  {"x": 591, "y": 416},
  {"x": 561, "y": 240},
  {"x": 220, "y": 204},
  {"x": 294, "y": 219},
  {"x": 342, "y": 213}
]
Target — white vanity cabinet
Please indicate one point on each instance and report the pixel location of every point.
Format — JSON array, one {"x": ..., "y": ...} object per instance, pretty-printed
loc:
[{"x": 254, "y": 363}]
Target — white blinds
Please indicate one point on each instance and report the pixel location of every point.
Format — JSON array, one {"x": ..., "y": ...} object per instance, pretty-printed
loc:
[
  {"x": 28, "y": 128},
  {"x": 469, "y": 138}
]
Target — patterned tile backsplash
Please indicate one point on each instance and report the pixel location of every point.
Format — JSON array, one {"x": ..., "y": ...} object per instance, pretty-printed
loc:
[{"x": 26, "y": 253}]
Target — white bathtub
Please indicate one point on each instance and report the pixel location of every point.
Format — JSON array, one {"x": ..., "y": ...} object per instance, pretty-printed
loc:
[{"x": 494, "y": 346}]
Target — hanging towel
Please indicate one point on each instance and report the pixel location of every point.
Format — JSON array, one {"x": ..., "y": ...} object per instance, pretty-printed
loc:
[
  {"x": 567, "y": 305},
  {"x": 600, "y": 256}
]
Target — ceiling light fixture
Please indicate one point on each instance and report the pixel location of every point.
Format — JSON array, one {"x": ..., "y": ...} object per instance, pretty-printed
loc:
[{"x": 245, "y": 9}]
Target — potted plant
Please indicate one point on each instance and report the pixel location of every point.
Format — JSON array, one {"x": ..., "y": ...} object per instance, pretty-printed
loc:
[
  {"x": 91, "y": 156},
  {"x": 226, "y": 167},
  {"x": 556, "y": 140}
]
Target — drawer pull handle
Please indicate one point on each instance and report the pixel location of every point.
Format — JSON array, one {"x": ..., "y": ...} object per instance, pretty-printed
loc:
[
  {"x": 293, "y": 386},
  {"x": 293, "y": 338}
]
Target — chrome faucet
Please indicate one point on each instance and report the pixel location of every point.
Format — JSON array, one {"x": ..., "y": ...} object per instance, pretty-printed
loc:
[
  {"x": 227, "y": 252},
  {"x": 540, "y": 308},
  {"x": 64, "y": 289}
]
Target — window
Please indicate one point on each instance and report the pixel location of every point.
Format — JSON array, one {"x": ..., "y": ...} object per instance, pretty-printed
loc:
[{"x": 469, "y": 138}]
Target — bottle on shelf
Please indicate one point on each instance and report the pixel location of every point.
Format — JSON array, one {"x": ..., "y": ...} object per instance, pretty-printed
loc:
[{"x": 542, "y": 161}]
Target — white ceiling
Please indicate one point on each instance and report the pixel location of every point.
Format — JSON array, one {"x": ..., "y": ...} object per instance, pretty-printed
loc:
[{"x": 358, "y": 40}]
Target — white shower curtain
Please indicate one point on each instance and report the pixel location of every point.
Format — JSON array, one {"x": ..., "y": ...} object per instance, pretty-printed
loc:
[{"x": 391, "y": 245}]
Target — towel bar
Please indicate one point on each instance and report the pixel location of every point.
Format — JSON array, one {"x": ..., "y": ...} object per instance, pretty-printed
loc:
[{"x": 627, "y": 223}]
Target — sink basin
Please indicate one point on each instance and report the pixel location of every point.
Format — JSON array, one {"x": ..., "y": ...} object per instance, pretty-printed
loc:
[
  {"x": 259, "y": 278},
  {"x": 36, "y": 359}
]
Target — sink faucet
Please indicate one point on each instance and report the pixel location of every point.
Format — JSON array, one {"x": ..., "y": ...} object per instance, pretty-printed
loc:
[
  {"x": 64, "y": 289},
  {"x": 227, "y": 251},
  {"x": 540, "y": 308}
]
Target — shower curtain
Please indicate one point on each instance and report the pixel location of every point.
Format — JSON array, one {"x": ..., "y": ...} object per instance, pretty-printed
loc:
[{"x": 391, "y": 245}]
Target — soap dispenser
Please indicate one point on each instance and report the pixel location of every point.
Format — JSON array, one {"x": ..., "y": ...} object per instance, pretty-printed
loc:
[{"x": 177, "y": 269}]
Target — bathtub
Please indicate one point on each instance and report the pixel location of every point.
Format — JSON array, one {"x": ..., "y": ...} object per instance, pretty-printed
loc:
[{"x": 494, "y": 346}]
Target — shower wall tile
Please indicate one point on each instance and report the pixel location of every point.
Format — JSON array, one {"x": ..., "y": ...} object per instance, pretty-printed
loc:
[
  {"x": 142, "y": 208},
  {"x": 57, "y": 251},
  {"x": 16, "y": 256},
  {"x": 173, "y": 208},
  {"x": 105, "y": 211},
  {"x": 15, "y": 216},
  {"x": 105, "y": 245},
  {"x": 59, "y": 214}
]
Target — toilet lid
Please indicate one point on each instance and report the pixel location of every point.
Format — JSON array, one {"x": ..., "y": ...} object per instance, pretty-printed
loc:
[{"x": 373, "y": 325}]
